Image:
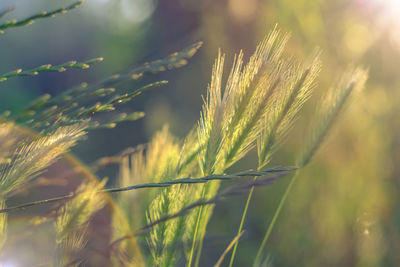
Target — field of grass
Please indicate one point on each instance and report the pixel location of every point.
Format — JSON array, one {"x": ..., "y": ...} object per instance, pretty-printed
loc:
[{"x": 291, "y": 162}]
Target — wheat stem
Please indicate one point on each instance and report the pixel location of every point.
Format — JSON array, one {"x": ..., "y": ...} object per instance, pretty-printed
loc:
[
  {"x": 199, "y": 252},
  {"x": 189, "y": 263},
  {"x": 273, "y": 221},
  {"x": 242, "y": 224},
  {"x": 187, "y": 180},
  {"x": 233, "y": 242},
  {"x": 203, "y": 202}
]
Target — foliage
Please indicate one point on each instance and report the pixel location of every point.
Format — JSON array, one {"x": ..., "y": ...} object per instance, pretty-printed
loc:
[{"x": 253, "y": 110}]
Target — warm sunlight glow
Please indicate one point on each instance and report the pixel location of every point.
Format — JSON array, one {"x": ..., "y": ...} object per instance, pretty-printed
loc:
[
  {"x": 386, "y": 16},
  {"x": 394, "y": 5},
  {"x": 389, "y": 9}
]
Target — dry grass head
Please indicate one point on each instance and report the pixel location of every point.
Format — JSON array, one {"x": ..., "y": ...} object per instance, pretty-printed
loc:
[
  {"x": 330, "y": 108},
  {"x": 72, "y": 223}
]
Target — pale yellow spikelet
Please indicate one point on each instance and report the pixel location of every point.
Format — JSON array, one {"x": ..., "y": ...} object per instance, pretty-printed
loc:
[
  {"x": 30, "y": 157},
  {"x": 162, "y": 153},
  {"x": 352, "y": 81},
  {"x": 246, "y": 130},
  {"x": 76, "y": 212},
  {"x": 74, "y": 241},
  {"x": 260, "y": 101},
  {"x": 125, "y": 216},
  {"x": 267, "y": 54},
  {"x": 150, "y": 163},
  {"x": 169, "y": 200},
  {"x": 211, "y": 120},
  {"x": 129, "y": 175},
  {"x": 132, "y": 170},
  {"x": 137, "y": 167},
  {"x": 72, "y": 223},
  {"x": 158, "y": 162},
  {"x": 163, "y": 237},
  {"x": 228, "y": 125},
  {"x": 302, "y": 86},
  {"x": 191, "y": 149},
  {"x": 297, "y": 85}
]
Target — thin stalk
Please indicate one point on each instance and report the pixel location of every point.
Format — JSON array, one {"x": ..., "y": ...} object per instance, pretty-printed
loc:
[
  {"x": 200, "y": 245},
  {"x": 199, "y": 253},
  {"x": 273, "y": 221},
  {"x": 242, "y": 222},
  {"x": 187, "y": 180},
  {"x": 233, "y": 242},
  {"x": 243, "y": 219},
  {"x": 196, "y": 229},
  {"x": 203, "y": 202}
]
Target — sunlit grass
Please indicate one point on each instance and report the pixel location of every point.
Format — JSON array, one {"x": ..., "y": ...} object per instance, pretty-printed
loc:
[{"x": 166, "y": 189}]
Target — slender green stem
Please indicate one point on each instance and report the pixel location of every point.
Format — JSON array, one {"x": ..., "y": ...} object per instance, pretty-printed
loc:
[
  {"x": 228, "y": 248},
  {"x": 189, "y": 263},
  {"x": 187, "y": 180},
  {"x": 193, "y": 248},
  {"x": 198, "y": 254},
  {"x": 240, "y": 227},
  {"x": 242, "y": 223},
  {"x": 243, "y": 219},
  {"x": 274, "y": 218},
  {"x": 212, "y": 201},
  {"x": 196, "y": 229}
]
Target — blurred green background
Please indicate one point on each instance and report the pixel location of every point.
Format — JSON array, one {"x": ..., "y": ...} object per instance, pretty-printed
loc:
[{"x": 344, "y": 208}]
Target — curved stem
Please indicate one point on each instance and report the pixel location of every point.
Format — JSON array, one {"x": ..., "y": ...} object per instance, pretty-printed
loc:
[
  {"x": 273, "y": 221},
  {"x": 196, "y": 230},
  {"x": 199, "y": 253},
  {"x": 188, "y": 180}
]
